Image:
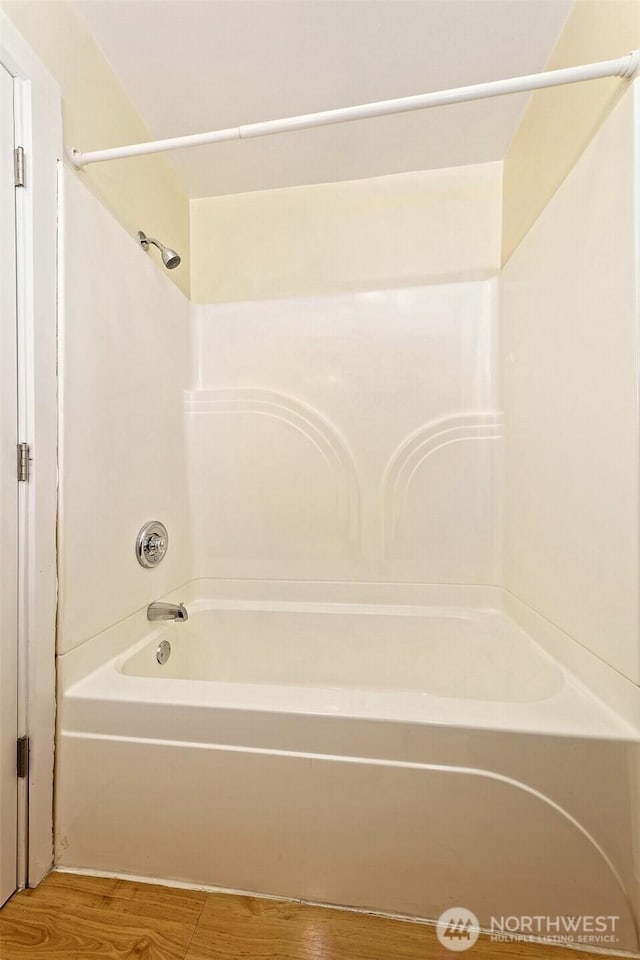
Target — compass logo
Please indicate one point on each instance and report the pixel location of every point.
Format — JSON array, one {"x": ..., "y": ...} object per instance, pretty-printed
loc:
[{"x": 458, "y": 929}]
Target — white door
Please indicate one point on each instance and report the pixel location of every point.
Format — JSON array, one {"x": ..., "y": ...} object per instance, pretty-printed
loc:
[{"x": 8, "y": 501}]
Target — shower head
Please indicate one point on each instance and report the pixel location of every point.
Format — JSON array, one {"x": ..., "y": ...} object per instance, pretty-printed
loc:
[{"x": 169, "y": 257}]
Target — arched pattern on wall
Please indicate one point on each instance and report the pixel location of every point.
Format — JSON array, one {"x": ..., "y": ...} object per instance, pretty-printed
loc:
[
  {"x": 416, "y": 449},
  {"x": 307, "y": 423}
]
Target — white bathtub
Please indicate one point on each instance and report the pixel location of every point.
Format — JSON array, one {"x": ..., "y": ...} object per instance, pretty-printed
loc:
[{"x": 402, "y": 756}]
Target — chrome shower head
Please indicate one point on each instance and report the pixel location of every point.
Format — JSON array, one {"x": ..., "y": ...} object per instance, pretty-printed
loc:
[{"x": 170, "y": 258}]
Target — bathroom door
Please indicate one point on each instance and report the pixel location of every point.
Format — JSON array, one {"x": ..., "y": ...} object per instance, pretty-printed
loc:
[{"x": 8, "y": 500}]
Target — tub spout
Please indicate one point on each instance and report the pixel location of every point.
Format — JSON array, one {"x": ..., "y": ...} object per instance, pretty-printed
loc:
[{"x": 167, "y": 611}]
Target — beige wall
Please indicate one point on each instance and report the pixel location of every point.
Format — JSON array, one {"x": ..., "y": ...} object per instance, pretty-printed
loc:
[
  {"x": 559, "y": 123},
  {"x": 384, "y": 232},
  {"x": 570, "y": 340},
  {"x": 143, "y": 193}
]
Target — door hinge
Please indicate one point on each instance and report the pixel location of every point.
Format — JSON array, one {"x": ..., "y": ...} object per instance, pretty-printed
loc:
[
  {"x": 23, "y": 757},
  {"x": 18, "y": 166},
  {"x": 23, "y": 461}
]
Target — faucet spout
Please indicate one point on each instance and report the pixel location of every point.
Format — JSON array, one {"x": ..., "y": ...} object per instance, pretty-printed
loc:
[{"x": 167, "y": 611}]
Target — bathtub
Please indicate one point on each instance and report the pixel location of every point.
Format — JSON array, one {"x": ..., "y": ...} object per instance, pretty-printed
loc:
[{"x": 396, "y": 749}]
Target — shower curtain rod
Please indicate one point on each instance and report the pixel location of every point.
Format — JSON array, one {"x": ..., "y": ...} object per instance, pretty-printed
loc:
[{"x": 625, "y": 67}]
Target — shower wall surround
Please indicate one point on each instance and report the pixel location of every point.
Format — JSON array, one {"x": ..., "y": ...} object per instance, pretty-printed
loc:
[
  {"x": 124, "y": 365},
  {"x": 571, "y": 348},
  {"x": 357, "y": 436},
  {"x": 354, "y": 437},
  {"x": 345, "y": 437}
]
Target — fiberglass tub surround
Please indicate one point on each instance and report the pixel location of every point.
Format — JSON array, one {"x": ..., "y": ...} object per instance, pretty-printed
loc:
[
  {"x": 357, "y": 711},
  {"x": 357, "y": 776}
]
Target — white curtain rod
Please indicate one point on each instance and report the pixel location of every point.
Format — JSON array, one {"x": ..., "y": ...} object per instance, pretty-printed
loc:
[{"x": 624, "y": 67}]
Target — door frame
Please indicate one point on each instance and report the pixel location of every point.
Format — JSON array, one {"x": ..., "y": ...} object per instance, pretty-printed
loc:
[
  {"x": 8, "y": 501},
  {"x": 38, "y": 127}
]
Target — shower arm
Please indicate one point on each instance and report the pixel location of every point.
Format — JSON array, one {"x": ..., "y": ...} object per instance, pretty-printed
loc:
[{"x": 624, "y": 67}]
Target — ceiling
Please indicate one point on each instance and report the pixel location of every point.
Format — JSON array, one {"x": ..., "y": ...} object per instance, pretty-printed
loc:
[{"x": 195, "y": 65}]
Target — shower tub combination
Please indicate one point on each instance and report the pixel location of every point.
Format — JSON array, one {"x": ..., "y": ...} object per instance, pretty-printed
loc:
[{"x": 401, "y": 754}]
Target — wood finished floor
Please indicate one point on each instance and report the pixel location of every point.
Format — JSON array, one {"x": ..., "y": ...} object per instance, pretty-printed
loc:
[{"x": 80, "y": 918}]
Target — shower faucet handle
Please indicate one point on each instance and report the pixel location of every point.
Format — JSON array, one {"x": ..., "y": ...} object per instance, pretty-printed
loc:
[
  {"x": 155, "y": 544},
  {"x": 152, "y": 543}
]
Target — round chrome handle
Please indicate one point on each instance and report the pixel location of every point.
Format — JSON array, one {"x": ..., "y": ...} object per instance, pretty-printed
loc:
[{"x": 152, "y": 543}]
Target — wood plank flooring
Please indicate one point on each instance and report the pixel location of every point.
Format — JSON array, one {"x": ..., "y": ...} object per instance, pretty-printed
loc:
[{"x": 72, "y": 917}]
